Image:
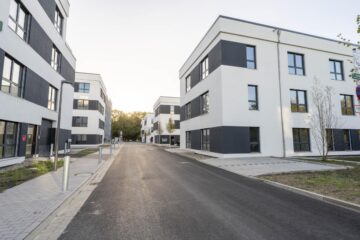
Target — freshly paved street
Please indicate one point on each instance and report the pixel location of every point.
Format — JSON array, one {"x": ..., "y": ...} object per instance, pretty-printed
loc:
[{"x": 149, "y": 193}]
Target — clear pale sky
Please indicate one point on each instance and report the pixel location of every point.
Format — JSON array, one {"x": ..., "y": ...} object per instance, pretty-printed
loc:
[{"x": 138, "y": 46}]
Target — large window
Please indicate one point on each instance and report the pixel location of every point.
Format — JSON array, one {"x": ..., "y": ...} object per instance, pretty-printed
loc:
[
  {"x": 52, "y": 97},
  {"x": 301, "y": 138},
  {"x": 250, "y": 57},
  {"x": 84, "y": 87},
  {"x": 79, "y": 139},
  {"x": 347, "y": 104},
  {"x": 8, "y": 136},
  {"x": 101, "y": 124},
  {"x": 343, "y": 139},
  {"x": 205, "y": 139},
  {"x": 296, "y": 64},
  {"x": 55, "y": 59},
  {"x": 188, "y": 83},
  {"x": 188, "y": 139},
  {"x": 253, "y": 97},
  {"x": 188, "y": 111},
  {"x": 336, "y": 70},
  {"x": 58, "y": 21},
  {"x": 204, "y": 68},
  {"x": 18, "y": 20},
  {"x": 254, "y": 139},
  {"x": 12, "y": 77},
  {"x": 298, "y": 101},
  {"x": 83, "y": 104},
  {"x": 204, "y": 103},
  {"x": 80, "y": 121}
]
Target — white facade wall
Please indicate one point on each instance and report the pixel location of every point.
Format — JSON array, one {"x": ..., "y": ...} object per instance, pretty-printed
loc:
[
  {"x": 147, "y": 134},
  {"x": 228, "y": 85}
]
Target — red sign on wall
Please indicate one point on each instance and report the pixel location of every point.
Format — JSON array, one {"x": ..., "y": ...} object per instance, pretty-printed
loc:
[{"x": 23, "y": 138}]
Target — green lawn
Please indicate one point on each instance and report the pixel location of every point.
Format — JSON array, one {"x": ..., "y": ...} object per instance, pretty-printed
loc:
[
  {"x": 15, "y": 177},
  {"x": 85, "y": 152},
  {"x": 341, "y": 184}
]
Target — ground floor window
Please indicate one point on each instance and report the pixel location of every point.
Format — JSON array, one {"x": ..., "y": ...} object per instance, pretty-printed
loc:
[
  {"x": 254, "y": 139},
  {"x": 342, "y": 139},
  {"x": 80, "y": 139},
  {"x": 205, "y": 139},
  {"x": 188, "y": 139},
  {"x": 301, "y": 138},
  {"x": 8, "y": 136}
]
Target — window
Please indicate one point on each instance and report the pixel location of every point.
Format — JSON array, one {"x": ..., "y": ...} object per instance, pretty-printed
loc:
[
  {"x": 336, "y": 70},
  {"x": 298, "y": 101},
  {"x": 101, "y": 124},
  {"x": 83, "y": 104},
  {"x": 204, "y": 103},
  {"x": 330, "y": 139},
  {"x": 301, "y": 140},
  {"x": 12, "y": 77},
  {"x": 254, "y": 139},
  {"x": 172, "y": 109},
  {"x": 18, "y": 20},
  {"x": 80, "y": 121},
  {"x": 296, "y": 64},
  {"x": 347, "y": 141},
  {"x": 58, "y": 21},
  {"x": 204, "y": 68},
  {"x": 102, "y": 95},
  {"x": 8, "y": 136},
  {"x": 52, "y": 97},
  {"x": 188, "y": 139},
  {"x": 347, "y": 104},
  {"x": 253, "y": 97},
  {"x": 205, "y": 139},
  {"x": 80, "y": 139},
  {"x": 250, "y": 57},
  {"x": 188, "y": 111},
  {"x": 84, "y": 87},
  {"x": 101, "y": 108},
  {"x": 55, "y": 59},
  {"x": 188, "y": 83}
]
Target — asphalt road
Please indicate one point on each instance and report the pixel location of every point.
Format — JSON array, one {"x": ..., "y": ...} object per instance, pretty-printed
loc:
[{"x": 152, "y": 194}]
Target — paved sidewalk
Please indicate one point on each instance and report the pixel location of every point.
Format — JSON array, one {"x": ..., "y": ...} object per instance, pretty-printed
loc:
[
  {"x": 257, "y": 166},
  {"x": 24, "y": 207}
]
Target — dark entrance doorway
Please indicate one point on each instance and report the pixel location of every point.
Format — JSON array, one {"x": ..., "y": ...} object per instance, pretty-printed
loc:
[
  {"x": 45, "y": 137},
  {"x": 31, "y": 140}
]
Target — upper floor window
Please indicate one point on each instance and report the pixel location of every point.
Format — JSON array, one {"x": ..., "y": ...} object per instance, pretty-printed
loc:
[
  {"x": 80, "y": 121},
  {"x": 336, "y": 70},
  {"x": 101, "y": 124},
  {"x": 84, "y": 87},
  {"x": 250, "y": 57},
  {"x": 83, "y": 104},
  {"x": 296, "y": 64},
  {"x": 188, "y": 111},
  {"x": 55, "y": 59},
  {"x": 204, "y": 68},
  {"x": 347, "y": 104},
  {"x": 58, "y": 21},
  {"x": 188, "y": 83},
  {"x": 18, "y": 20},
  {"x": 301, "y": 138},
  {"x": 12, "y": 77},
  {"x": 253, "y": 97},
  {"x": 298, "y": 101},
  {"x": 102, "y": 95},
  {"x": 52, "y": 97},
  {"x": 204, "y": 103},
  {"x": 205, "y": 139},
  {"x": 8, "y": 136}
]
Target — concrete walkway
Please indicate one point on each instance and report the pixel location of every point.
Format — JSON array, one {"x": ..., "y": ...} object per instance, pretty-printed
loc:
[
  {"x": 257, "y": 166},
  {"x": 24, "y": 207}
]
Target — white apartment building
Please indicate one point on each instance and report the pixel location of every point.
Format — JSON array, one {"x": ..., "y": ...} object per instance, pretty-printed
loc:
[
  {"x": 92, "y": 110},
  {"x": 246, "y": 91},
  {"x": 147, "y": 133},
  {"x": 34, "y": 60},
  {"x": 166, "y": 108}
]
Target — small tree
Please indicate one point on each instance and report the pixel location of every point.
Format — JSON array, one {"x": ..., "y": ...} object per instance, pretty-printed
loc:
[
  {"x": 170, "y": 127},
  {"x": 323, "y": 116}
]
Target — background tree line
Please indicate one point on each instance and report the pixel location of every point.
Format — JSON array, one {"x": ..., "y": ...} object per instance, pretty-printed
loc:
[{"x": 127, "y": 123}]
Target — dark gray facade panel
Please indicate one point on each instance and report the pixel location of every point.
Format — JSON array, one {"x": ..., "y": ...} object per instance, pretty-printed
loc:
[
  {"x": 182, "y": 113},
  {"x": 46, "y": 137},
  {"x": 235, "y": 140},
  {"x": 177, "y": 124},
  {"x": 233, "y": 54},
  {"x": 195, "y": 76},
  {"x": 196, "y": 139},
  {"x": 66, "y": 70},
  {"x": 22, "y": 144},
  {"x": 76, "y": 87},
  {"x": 36, "y": 89},
  {"x": 177, "y": 109},
  {"x": 164, "y": 109},
  {"x": 93, "y": 105},
  {"x": 215, "y": 56},
  {"x": 40, "y": 41},
  {"x": 91, "y": 139},
  {"x": 2, "y": 57},
  {"x": 49, "y": 7},
  {"x": 195, "y": 107},
  {"x": 339, "y": 140},
  {"x": 355, "y": 139}
]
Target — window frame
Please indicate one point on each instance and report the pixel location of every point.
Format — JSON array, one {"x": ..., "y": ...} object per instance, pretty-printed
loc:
[
  {"x": 204, "y": 109},
  {"x": 188, "y": 111},
  {"x": 56, "y": 59},
  {"x": 205, "y": 139},
  {"x": 82, "y": 105},
  {"x": 335, "y": 73},
  {"x": 256, "y": 101},
  {"x": 255, "y": 143},
  {"x": 19, "y": 85},
  {"x": 297, "y": 104},
  {"x": 79, "y": 121},
  {"x": 188, "y": 139},
  {"x": 4, "y": 145},
  {"x": 59, "y": 21},
  {"x": 188, "y": 83},
  {"x": 83, "y": 89},
  {"x": 52, "y": 98},
  {"x": 344, "y": 108},
  {"x": 295, "y": 64},
  {"x": 301, "y": 142},
  {"x": 249, "y": 60},
  {"x": 204, "y": 68},
  {"x": 25, "y": 29}
]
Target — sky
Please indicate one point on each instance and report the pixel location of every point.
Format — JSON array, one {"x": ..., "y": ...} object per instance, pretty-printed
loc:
[{"x": 138, "y": 46}]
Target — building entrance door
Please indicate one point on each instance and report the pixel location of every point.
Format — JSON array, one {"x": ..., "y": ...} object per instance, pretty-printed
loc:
[{"x": 30, "y": 140}]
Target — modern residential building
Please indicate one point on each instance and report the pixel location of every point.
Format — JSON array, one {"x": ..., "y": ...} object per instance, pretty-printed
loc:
[
  {"x": 246, "y": 91},
  {"x": 91, "y": 121},
  {"x": 166, "y": 109},
  {"x": 34, "y": 60},
  {"x": 147, "y": 124}
]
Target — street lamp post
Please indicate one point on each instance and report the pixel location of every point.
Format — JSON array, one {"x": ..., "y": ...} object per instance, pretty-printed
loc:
[{"x": 57, "y": 131}]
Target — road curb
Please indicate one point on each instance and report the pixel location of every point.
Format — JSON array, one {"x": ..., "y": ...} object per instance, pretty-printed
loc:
[{"x": 331, "y": 200}]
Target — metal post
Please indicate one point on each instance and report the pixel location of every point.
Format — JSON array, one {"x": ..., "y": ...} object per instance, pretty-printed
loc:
[
  {"x": 66, "y": 173},
  {"x": 100, "y": 155},
  {"x": 65, "y": 148},
  {"x": 51, "y": 150}
]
